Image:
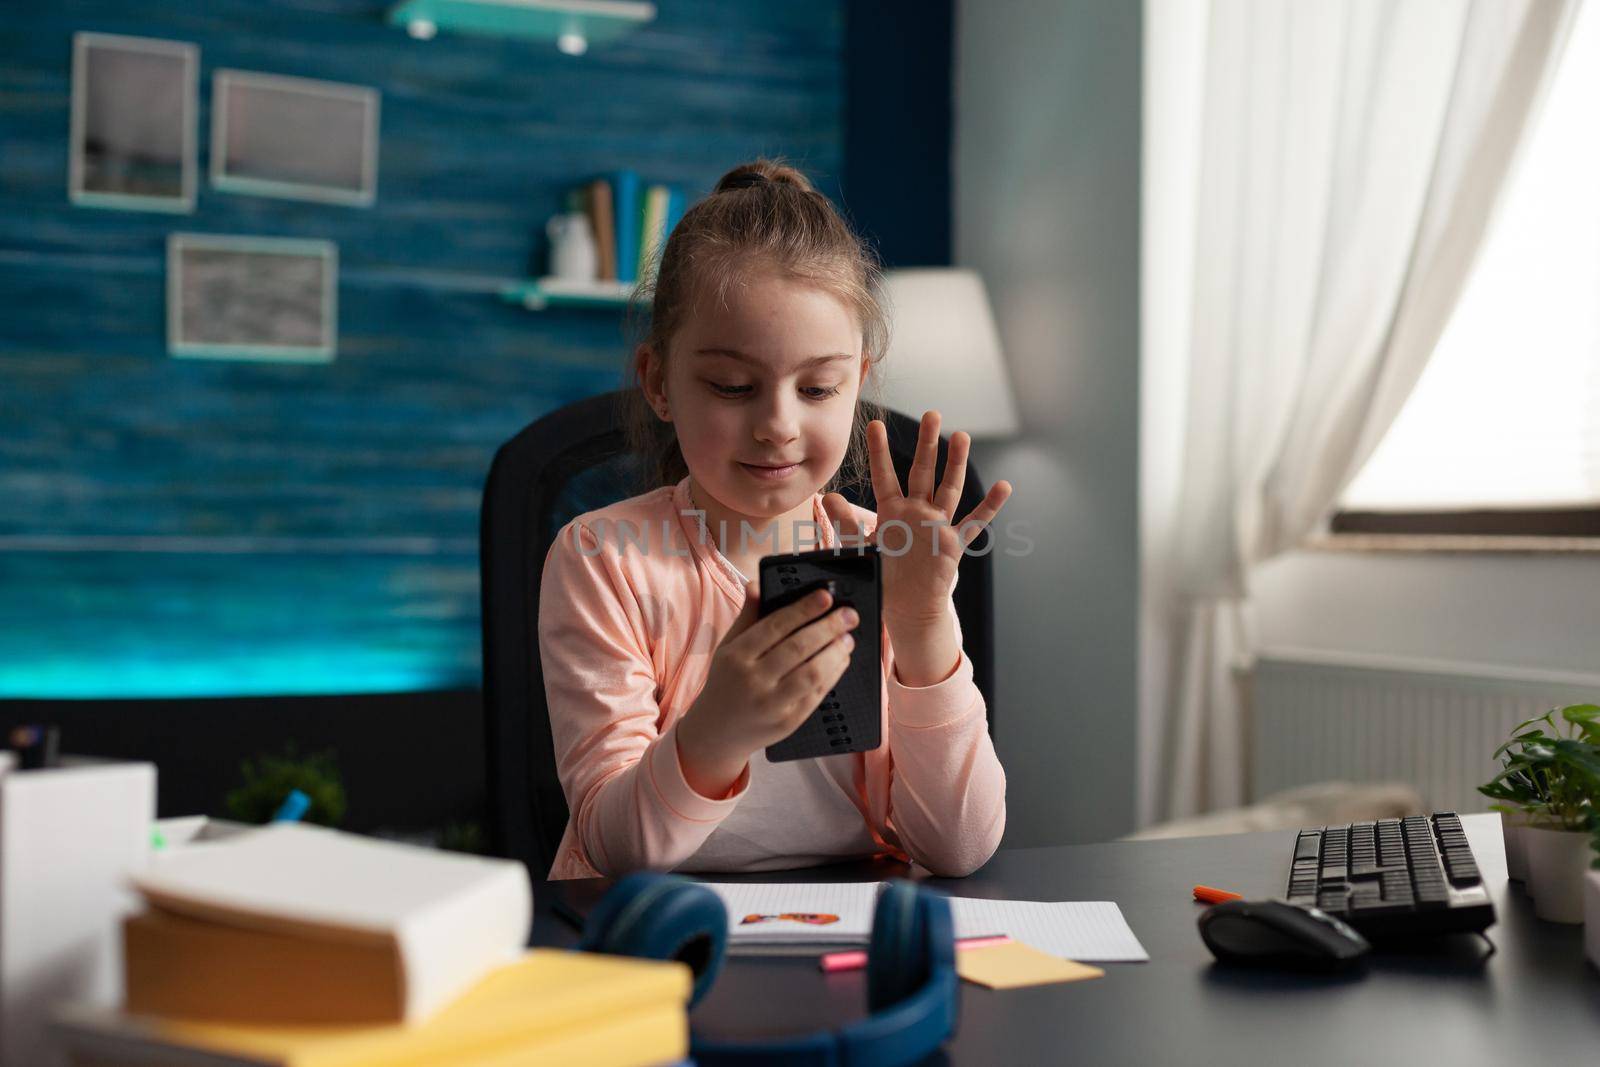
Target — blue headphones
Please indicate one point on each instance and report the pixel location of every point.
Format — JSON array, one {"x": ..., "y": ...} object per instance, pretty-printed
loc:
[{"x": 912, "y": 988}]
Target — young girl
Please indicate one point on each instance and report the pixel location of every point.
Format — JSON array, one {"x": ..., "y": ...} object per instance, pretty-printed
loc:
[{"x": 664, "y": 687}]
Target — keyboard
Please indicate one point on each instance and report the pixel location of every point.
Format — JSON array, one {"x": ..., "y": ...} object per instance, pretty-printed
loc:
[{"x": 1392, "y": 877}]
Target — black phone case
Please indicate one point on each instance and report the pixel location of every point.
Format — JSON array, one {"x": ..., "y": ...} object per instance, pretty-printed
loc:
[{"x": 850, "y": 717}]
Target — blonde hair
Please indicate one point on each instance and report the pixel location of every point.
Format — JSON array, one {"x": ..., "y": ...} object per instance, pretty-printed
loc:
[{"x": 762, "y": 215}]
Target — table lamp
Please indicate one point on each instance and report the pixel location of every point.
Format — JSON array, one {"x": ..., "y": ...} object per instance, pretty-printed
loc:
[{"x": 944, "y": 353}]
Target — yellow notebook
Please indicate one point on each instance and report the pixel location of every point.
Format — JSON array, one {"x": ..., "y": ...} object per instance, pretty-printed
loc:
[{"x": 560, "y": 1006}]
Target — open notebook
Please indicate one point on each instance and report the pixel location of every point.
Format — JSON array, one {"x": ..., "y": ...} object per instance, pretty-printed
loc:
[{"x": 810, "y": 918}]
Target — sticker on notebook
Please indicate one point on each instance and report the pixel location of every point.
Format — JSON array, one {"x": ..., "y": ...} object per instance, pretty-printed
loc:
[{"x": 810, "y": 918}]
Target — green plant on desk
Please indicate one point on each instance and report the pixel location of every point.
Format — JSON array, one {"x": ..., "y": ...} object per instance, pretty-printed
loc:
[
  {"x": 270, "y": 778},
  {"x": 1550, "y": 771},
  {"x": 466, "y": 836}
]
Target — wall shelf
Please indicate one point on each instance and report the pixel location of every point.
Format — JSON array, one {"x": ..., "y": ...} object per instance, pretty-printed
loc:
[
  {"x": 572, "y": 24},
  {"x": 536, "y": 294}
]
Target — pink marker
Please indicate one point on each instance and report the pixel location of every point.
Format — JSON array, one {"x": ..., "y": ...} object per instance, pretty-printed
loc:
[{"x": 856, "y": 959}]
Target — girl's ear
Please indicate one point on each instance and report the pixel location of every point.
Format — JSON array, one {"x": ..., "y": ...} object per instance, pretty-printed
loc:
[{"x": 648, "y": 366}]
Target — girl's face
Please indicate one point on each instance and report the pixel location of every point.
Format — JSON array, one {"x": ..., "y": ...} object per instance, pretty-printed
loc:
[{"x": 768, "y": 381}]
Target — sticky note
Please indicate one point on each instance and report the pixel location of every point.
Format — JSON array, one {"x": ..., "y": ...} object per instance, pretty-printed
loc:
[{"x": 1013, "y": 965}]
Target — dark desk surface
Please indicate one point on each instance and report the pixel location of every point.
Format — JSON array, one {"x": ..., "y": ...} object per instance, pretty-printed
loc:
[{"x": 1533, "y": 1001}]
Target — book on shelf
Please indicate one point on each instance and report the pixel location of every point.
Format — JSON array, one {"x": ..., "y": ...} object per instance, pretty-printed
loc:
[
  {"x": 630, "y": 222},
  {"x": 547, "y": 1006},
  {"x": 605, "y": 228},
  {"x": 664, "y": 206},
  {"x": 652, "y": 228},
  {"x": 625, "y": 204},
  {"x": 675, "y": 208}
]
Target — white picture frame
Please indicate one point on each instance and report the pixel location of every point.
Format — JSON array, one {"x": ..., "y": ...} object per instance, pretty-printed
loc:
[
  {"x": 300, "y": 138},
  {"x": 252, "y": 298},
  {"x": 132, "y": 140}
]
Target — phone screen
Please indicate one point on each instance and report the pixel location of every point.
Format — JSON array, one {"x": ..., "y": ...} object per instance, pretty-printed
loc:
[{"x": 850, "y": 716}]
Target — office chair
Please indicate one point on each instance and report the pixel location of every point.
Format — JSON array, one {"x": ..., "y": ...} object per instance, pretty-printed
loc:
[{"x": 565, "y": 463}]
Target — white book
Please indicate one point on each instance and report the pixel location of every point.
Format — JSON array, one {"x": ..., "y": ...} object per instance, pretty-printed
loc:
[{"x": 451, "y": 917}]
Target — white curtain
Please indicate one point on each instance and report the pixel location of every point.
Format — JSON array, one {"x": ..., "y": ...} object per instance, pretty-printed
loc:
[{"x": 1319, "y": 176}]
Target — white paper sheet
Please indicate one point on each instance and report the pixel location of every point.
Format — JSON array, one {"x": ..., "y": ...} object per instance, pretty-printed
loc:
[
  {"x": 1088, "y": 931},
  {"x": 1091, "y": 931}
]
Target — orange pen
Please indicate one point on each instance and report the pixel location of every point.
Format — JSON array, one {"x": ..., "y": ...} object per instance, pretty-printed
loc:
[{"x": 1205, "y": 894}]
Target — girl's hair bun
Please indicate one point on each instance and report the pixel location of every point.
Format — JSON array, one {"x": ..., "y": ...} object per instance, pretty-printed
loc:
[{"x": 763, "y": 172}]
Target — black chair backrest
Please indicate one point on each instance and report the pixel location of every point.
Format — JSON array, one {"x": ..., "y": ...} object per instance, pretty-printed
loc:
[{"x": 574, "y": 460}]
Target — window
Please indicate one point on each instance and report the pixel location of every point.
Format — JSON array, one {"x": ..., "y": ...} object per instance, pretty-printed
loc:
[{"x": 1502, "y": 434}]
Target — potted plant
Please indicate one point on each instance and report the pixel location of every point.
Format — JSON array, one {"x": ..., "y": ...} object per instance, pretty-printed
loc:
[
  {"x": 1551, "y": 771},
  {"x": 270, "y": 778}
]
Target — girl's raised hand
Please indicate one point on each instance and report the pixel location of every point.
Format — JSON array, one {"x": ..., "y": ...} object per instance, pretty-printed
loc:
[{"x": 923, "y": 548}]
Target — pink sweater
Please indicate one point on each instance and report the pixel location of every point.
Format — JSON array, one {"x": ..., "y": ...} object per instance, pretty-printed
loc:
[{"x": 626, "y": 636}]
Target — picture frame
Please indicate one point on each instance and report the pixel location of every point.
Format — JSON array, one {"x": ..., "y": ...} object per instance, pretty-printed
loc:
[
  {"x": 300, "y": 138},
  {"x": 252, "y": 298},
  {"x": 132, "y": 132}
]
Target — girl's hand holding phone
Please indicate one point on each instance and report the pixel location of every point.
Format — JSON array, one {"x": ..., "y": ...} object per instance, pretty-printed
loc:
[{"x": 766, "y": 676}]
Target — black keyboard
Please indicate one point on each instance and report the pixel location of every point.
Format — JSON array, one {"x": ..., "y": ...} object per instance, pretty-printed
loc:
[{"x": 1393, "y": 877}]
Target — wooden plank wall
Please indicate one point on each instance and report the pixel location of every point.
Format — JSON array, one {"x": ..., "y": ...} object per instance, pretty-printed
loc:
[{"x": 178, "y": 527}]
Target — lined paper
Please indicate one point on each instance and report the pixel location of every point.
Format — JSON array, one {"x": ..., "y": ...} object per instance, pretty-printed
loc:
[
  {"x": 1071, "y": 929},
  {"x": 1092, "y": 930}
]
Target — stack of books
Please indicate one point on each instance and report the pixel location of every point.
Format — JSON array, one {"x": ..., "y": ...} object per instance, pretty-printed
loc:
[
  {"x": 630, "y": 220},
  {"x": 298, "y": 946}
]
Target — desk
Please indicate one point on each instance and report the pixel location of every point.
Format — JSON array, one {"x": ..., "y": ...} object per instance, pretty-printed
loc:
[{"x": 1534, "y": 1001}]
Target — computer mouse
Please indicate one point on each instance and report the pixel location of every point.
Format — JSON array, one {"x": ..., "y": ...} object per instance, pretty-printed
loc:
[{"x": 1275, "y": 933}]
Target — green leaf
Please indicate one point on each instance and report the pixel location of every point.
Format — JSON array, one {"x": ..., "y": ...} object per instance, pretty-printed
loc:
[
  {"x": 1545, "y": 718},
  {"x": 1539, "y": 751},
  {"x": 1586, "y": 717},
  {"x": 1512, "y": 785},
  {"x": 1578, "y": 755},
  {"x": 1523, "y": 740}
]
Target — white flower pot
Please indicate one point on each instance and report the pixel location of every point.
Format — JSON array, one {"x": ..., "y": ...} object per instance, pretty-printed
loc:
[
  {"x": 1514, "y": 827},
  {"x": 1591, "y": 916},
  {"x": 1557, "y": 862}
]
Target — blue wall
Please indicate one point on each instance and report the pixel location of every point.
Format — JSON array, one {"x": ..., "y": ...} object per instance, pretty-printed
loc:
[
  {"x": 176, "y": 527},
  {"x": 897, "y": 130}
]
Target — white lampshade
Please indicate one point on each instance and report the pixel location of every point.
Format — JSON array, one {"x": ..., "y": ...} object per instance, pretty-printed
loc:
[{"x": 944, "y": 353}]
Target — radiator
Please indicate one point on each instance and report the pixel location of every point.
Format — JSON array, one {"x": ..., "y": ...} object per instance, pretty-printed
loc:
[{"x": 1432, "y": 725}]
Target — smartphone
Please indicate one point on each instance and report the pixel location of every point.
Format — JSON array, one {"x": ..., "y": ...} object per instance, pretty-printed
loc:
[{"x": 850, "y": 717}]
